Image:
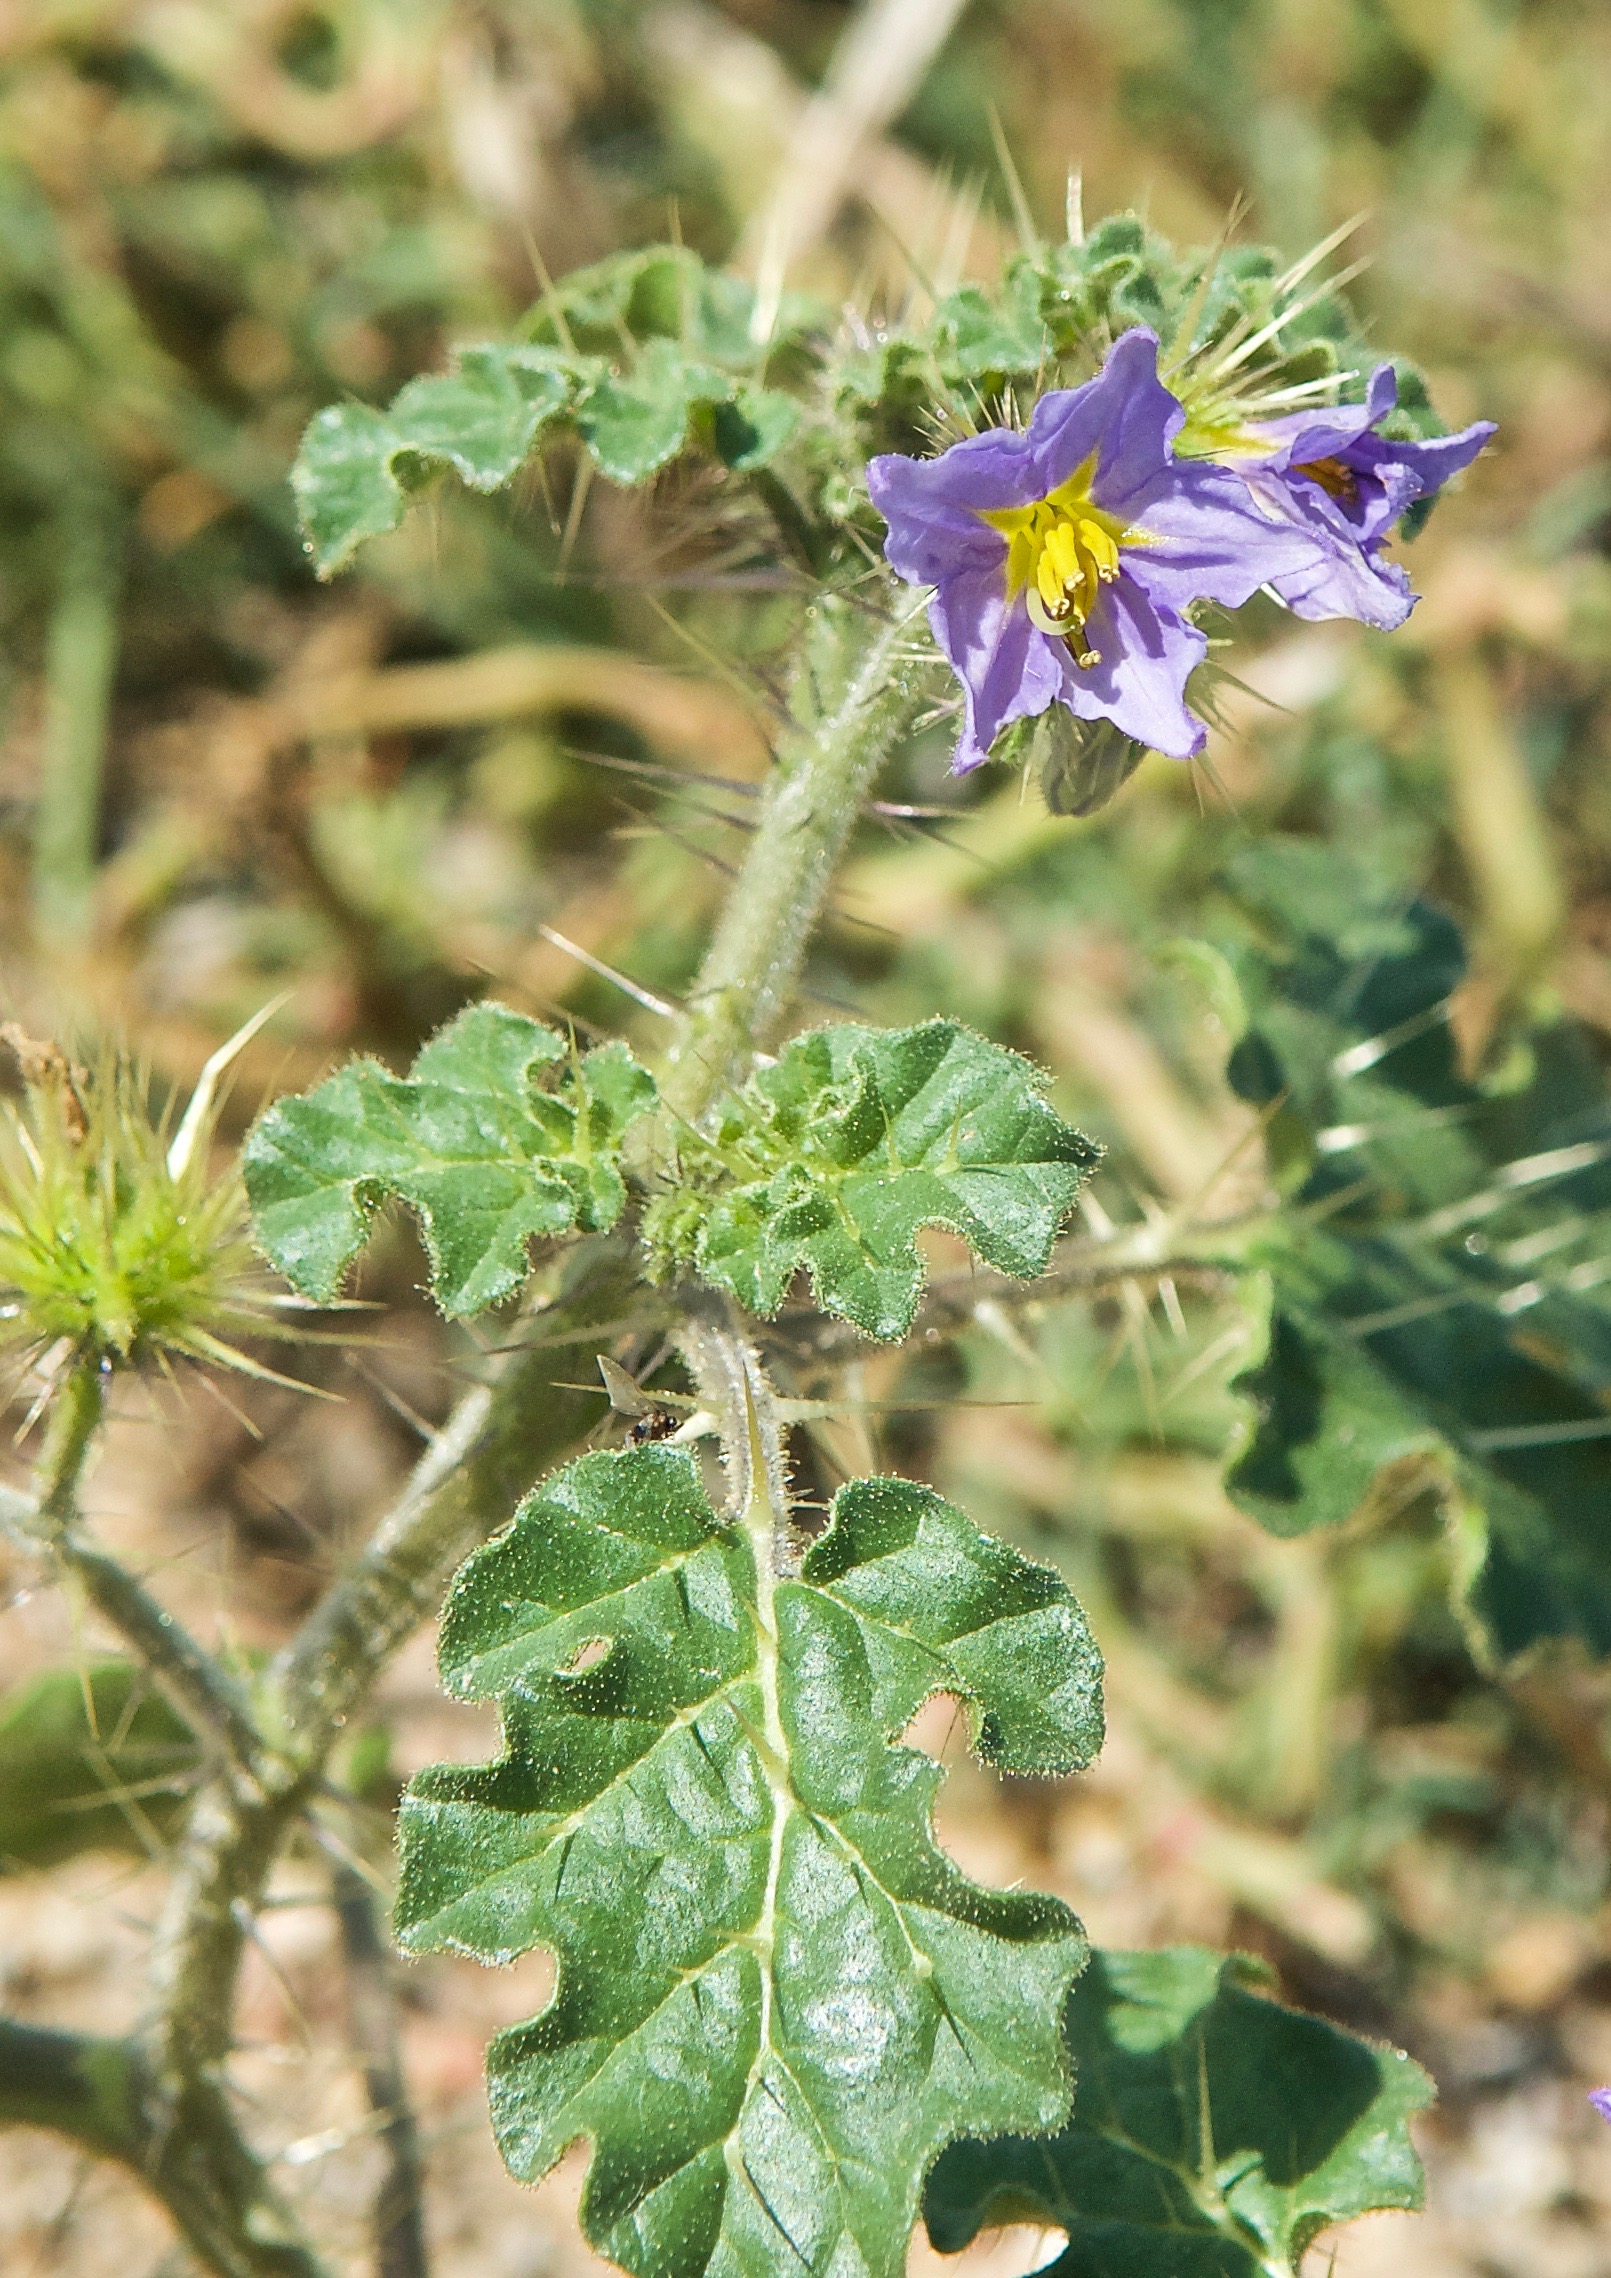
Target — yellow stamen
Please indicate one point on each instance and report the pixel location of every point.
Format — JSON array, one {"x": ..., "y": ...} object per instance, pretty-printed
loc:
[
  {"x": 1057, "y": 573},
  {"x": 1336, "y": 478},
  {"x": 1060, "y": 553}
]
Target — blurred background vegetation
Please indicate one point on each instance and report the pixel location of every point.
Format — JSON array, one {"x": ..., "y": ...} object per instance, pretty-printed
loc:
[{"x": 219, "y": 781}]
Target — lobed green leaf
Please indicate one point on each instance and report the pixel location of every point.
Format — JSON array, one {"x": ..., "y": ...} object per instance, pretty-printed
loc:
[
  {"x": 636, "y": 424},
  {"x": 1437, "y": 1287},
  {"x": 1214, "y": 2134},
  {"x": 776, "y": 1999},
  {"x": 837, "y": 1155},
  {"x": 357, "y": 466},
  {"x": 640, "y": 356},
  {"x": 485, "y": 1157}
]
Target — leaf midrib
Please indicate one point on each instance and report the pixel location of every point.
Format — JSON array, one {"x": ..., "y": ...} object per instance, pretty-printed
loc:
[{"x": 1204, "y": 2194}]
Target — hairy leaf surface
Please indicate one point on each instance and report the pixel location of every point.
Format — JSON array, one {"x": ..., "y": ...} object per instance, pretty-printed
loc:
[
  {"x": 357, "y": 466},
  {"x": 1438, "y": 1280},
  {"x": 641, "y": 355},
  {"x": 855, "y": 1139},
  {"x": 776, "y": 1999},
  {"x": 1214, "y": 2133},
  {"x": 636, "y": 424},
  {"x": 470, "y": 1140}
]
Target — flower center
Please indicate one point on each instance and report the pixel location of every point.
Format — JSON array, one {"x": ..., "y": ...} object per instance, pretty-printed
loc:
[
  {"x": 1336, "y": 478},
  {"x": 1060, "y": 553}
]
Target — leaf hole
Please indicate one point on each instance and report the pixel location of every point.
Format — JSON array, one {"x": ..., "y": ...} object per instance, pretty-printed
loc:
[
  {"x": 510, "y": 1994},
  {"x": 940, "y": 1730},
  {"x": 586, "y": 1656}
]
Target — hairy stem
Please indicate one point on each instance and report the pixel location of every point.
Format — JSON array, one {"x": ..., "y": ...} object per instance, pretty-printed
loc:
[
  {"x": 856, "y": 696},
  {"x": 494, "y": 1446},
  {"x": 204, "y": 1694},
  {"x": 398, "y": 2220},
  {"x": 187, "y": 1675},
  {"x": 497, "y": 1442},
  {"x": 100, "y": 2093},
  {"x": 71, "y": 1425},
  {"x": 162, "y": 2112},
  {"x": 734, "y": 1387}
]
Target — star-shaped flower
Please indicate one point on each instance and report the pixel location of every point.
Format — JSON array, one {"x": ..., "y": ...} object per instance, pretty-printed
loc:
[
  {"x": 1064, "y": 556},
  {"x": 1328, "y": 473}
]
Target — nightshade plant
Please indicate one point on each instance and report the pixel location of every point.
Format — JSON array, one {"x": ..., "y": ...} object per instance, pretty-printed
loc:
[{"x": 781, "y": 2014}]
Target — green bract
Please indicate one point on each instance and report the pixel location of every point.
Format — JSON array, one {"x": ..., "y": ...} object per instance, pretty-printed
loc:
[
  {"x": 115, "y": 1243},
  {"x": 776, "y": 2000},
  {"x": 483, "y": 1155},
  {"x": 1214, "y": 2134},
  {"x": 835, "y": 1156},
  {"x": 1438, "y": 1281}
]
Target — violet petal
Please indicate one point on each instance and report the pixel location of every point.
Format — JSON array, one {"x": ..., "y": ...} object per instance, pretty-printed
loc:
[
  {"x": 1008, "y": 670},
  {"x": 1148, "y": 653}
]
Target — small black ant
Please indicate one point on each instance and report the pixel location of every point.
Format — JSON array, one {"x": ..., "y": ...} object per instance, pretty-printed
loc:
[{"x": 651, "y": 1419}]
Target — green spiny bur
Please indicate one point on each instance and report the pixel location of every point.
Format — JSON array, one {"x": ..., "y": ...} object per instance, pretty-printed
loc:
[
  {"x": 485, "y": 1157},
  {"x": 776, "y": 1999},
  {"x": 1214, "y": 2134}
]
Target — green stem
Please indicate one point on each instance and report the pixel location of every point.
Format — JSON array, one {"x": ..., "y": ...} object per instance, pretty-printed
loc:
[
  {"x": 203, "y": 1693},
  {"x": 734, "y": 1387},
  {"x": 856, "y": 697},
  {"x": 99, "y": 2093},
  {"x": 399, "y": 2228},
  {"x": 80, "y": 665},
  {"x": 489, "y": 1452},
  {"x": 495, "y": 1445},
  {"x": 71, "y": 1423},
  {"x": 161, "y": 2109}
]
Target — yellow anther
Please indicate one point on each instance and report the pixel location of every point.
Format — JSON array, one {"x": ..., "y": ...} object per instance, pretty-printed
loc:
[
  {"x": 1049, "y": 585},
  {"x": 1102, "y": 547},
  {"x": 1060, "y": 553},
  {"x": 1334, "y": 476},
  {"x": 1063, "y": 552}
]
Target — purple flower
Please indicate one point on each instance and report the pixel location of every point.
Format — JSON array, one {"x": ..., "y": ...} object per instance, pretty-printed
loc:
[
  {"x": 1065, "y": 556},
  {"x": 1600, "y": 2098},
  {"x": 1326, "y": 472}
]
